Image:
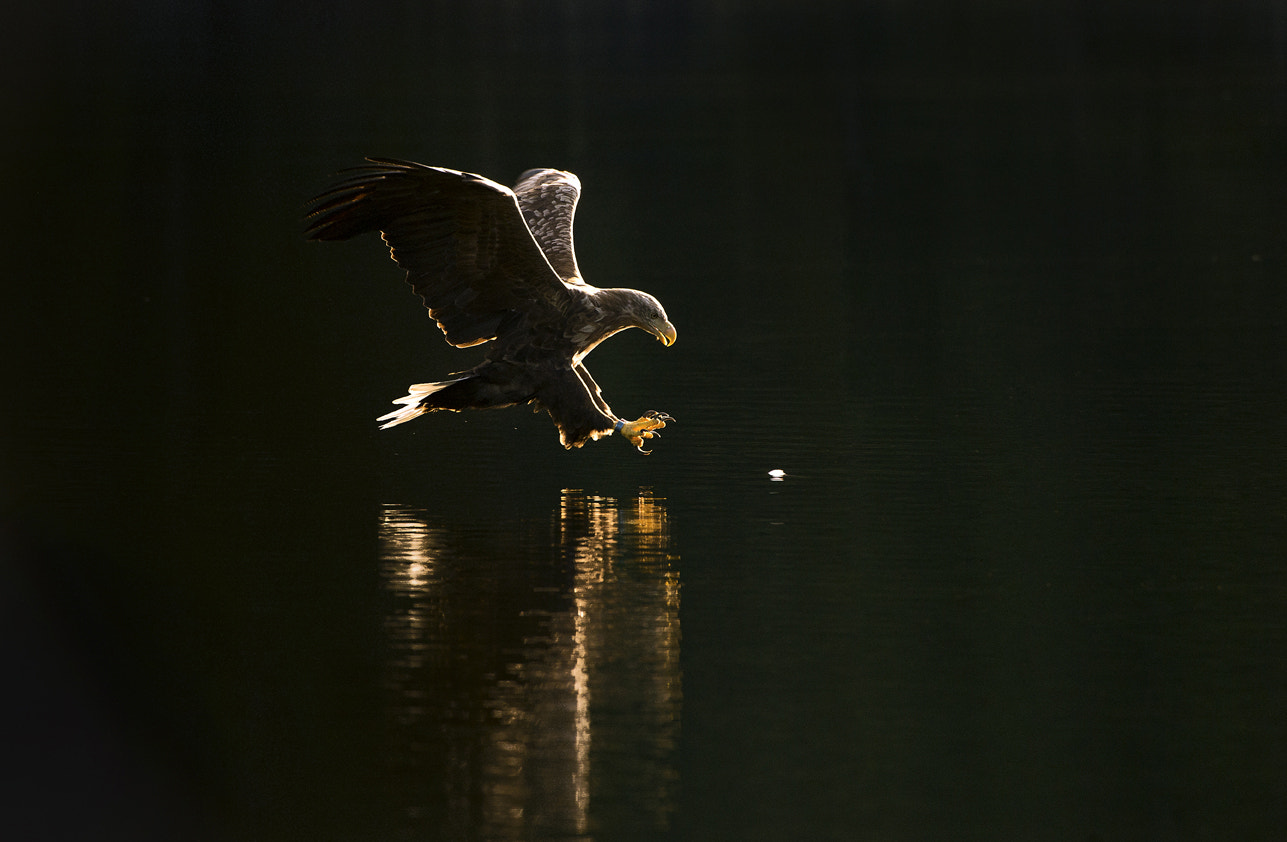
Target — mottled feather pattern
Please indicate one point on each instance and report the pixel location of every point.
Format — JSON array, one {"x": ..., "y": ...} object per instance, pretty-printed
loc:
[{"x": 548, "y": 200}]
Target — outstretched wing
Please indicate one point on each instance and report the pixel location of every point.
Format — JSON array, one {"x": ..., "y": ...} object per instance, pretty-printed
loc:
[
  {"x": 548, "y": 200},
  {"x": 461, "y": 237}
]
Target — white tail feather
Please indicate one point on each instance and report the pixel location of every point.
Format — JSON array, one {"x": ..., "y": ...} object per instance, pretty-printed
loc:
[{"x": 411, "y": 407}]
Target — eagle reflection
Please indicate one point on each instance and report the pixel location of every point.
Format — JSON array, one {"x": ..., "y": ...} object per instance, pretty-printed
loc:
[{"x": 533, "y": 670}]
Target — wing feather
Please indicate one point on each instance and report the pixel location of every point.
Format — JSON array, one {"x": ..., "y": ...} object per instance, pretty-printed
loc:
[
  {"x": 548, "y": 200},
  {"x": 462, "y": 239}
]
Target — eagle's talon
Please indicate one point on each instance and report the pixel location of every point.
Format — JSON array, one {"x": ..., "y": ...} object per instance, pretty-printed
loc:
[{"x": 648, "y": 426}]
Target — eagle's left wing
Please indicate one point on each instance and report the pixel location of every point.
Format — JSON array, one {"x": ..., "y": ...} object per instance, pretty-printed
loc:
[{"x": 461, "y": 237}]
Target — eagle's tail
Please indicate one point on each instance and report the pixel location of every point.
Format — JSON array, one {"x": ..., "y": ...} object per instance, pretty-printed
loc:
[{"x": 416, "y": 402}]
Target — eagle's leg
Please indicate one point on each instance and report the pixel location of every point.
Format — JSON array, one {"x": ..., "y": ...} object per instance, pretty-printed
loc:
[
  {"x": 646, "y": 426},
  {"x": 596, "y": 394}
]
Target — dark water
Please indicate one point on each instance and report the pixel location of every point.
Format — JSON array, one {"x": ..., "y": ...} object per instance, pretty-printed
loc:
[{"x": 1000, "y": 290}]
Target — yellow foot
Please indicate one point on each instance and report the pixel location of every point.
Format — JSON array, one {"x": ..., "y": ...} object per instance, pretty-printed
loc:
[{"x": 645, "y": 428}]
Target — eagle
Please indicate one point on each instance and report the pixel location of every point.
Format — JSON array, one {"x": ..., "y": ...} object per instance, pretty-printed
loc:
[{"x": 495, "y": 265}]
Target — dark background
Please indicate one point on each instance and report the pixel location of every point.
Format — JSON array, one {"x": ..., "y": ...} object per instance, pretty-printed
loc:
[{"x": 999, "y": 285}]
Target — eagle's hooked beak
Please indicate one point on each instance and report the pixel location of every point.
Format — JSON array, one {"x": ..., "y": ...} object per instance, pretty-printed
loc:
[{"x": 664, "y": 331}]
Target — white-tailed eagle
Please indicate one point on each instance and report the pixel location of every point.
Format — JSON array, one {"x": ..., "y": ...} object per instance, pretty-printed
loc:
[{"x": 496, "y": 265}]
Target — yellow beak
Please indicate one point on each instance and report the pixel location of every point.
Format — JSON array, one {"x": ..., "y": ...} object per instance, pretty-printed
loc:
[{"x": 665, "y": 331}]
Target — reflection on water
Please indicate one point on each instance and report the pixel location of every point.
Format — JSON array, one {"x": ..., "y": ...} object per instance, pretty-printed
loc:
[{"x": 533, "y": 670}]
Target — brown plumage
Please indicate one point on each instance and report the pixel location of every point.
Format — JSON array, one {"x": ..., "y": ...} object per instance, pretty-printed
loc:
[{"x": 497, "y": 265}]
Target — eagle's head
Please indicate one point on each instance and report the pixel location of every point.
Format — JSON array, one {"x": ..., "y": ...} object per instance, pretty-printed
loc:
[
  {"x": 649, "y": 315},
  {"x": 615, "y": 310}
]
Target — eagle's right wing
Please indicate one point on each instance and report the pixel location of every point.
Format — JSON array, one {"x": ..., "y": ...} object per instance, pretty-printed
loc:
[
  {"x": 548, "y": 200},
  {"x": 461, "y": 237}
]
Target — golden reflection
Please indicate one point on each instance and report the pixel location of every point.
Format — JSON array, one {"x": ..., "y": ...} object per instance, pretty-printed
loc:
[{"x": 534, "y": 684}]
